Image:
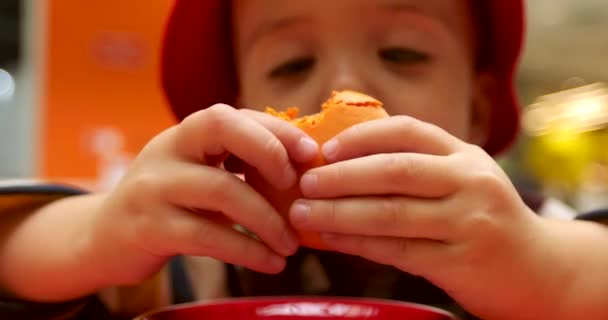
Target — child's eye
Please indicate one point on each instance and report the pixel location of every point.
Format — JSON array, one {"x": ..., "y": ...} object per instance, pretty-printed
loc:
[
  {"x": 403, "y": 56},
  {"x": 292, "y": 67}
]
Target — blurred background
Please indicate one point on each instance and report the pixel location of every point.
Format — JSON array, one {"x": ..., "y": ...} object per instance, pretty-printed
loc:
[{"x": 69, "y": 67}]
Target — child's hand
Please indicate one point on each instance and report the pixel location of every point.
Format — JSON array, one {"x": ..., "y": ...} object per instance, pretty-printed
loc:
[
  {"x": 177, "y": 198},
  {"x": 402, "y": 192}
]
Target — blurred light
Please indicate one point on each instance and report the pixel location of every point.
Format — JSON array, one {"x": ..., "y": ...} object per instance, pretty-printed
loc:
[
  {"x": 536, "y": 120},
  {"x": 7, "y": 86},
  {"x": 579, "y": 109}
]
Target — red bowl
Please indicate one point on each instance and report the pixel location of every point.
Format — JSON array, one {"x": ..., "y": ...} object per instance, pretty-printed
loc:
[{"x": 298, "y": 308}]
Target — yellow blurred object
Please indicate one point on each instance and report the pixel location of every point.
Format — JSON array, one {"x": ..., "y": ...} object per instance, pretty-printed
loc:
[
  {"x": 561, "y": 157},
  {"x": 567, "y": 135}
]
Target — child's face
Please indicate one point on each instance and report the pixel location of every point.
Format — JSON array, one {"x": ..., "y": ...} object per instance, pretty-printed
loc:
[{"x": 417, "y": 56}]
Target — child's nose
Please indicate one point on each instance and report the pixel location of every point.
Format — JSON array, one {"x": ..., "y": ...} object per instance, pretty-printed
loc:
[{"x": 349, "y": 76}]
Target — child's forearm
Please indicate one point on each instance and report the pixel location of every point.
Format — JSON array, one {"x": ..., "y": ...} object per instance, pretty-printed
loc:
[
  {"x": 47, "y": 255},
  {"x": 590, "y": 295},
  {"x": 585, "y": 244}
]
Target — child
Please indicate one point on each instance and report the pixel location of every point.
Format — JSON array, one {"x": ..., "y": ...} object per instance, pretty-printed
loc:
[{"x": 454, "y": 226}]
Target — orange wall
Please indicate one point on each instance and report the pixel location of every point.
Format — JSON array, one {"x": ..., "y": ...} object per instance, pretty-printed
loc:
[{"x": 100, "y": 67}]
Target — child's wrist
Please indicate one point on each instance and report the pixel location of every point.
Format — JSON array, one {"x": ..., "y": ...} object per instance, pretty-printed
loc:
[{"x": 94, "y": 247}]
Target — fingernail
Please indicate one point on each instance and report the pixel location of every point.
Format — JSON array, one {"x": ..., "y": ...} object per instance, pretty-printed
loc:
[
  {"x": 291, "y": 242},
  {"x": 308, "y": 182},
  {"x": 299, "y": 213},
  {"x": 308, "y": 148},
  {"x": 330, "y": 149}
]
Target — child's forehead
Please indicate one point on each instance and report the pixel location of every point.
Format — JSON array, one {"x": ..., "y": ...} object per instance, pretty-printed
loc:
[{"x": 257, "y": 16}]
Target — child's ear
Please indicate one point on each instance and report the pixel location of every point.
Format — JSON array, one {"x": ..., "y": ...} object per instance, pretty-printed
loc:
[{"x": 483, "y": 90}]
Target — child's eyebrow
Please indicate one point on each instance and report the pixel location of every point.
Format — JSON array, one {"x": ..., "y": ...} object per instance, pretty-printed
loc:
[
  {"x": 269, "y": 27},
  {"x": 399, "y": 6}
]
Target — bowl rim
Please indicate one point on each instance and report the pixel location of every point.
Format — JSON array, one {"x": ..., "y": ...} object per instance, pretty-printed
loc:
[{"x": 292, "y": 299}]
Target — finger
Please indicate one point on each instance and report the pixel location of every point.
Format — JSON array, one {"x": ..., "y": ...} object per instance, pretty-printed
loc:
[
  {"x": 385, "y": 216},
  {"x": 213, "y": 216},
  {"x": 394, "y": 134},
  {"x": 211, "y": 189},
  {"x": 415, "y": 256},
  {"x": 412, "y": 174},
  {"x": 220, "y": 129},
  {"x": 300, "y": 147},
  {"x": 194, "y": 236}
]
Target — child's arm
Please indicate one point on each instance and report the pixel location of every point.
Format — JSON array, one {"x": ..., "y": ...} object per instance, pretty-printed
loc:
[
  {"x": 47, "y": 255},
  {"x": 582, "y": 247},
  {"x": 45, "y": 260},
  {"x": 174, "y": 200},
  {"x": 17, "y": 199}
]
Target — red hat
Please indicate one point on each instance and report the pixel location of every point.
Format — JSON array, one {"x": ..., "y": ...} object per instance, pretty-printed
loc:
[{"x": 198, "y": 69}]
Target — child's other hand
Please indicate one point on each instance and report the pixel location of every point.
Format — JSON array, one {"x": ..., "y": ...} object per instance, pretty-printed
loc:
[
  {"x": 406, "y": 193},
  {"x": 177, "y": 199}
]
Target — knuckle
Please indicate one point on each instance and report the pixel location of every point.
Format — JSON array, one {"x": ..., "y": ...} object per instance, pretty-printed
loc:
[
  {"x": 392, "y": 214},
  {"x": 477, "y": 150},
  {"x": 284, "y": 130},
  {"x": 334, "y": 177},
  {"x": 406, "y": 124},
  {"x": 219, "y": 110},
  {"x": 277, "y": 158},
  {"x": 484, "y": 177},
  {"x": 487, "y": 182},
  {"x": 146, "y": 183},
  {"x": 404, "y": 120},
  {"x": 480, "y": 222},
  {"x": 399, "y": 169},
  {"x": 269, "y": 227},
  {"x": 331, "y": 211},
  {"x": 275, "y": 149},
  {"x": 139, "y": 188},
  {"x": 214, "y": 118},
  {"x": 203, "y": 237},
  {"x": 482, "y": 230},
  {"x": 218, "y": 117},
  {"x": 220, "y": 188}
]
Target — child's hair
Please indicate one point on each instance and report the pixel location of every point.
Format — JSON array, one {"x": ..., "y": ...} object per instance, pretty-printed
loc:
[{"x": 198, "y": 63}]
